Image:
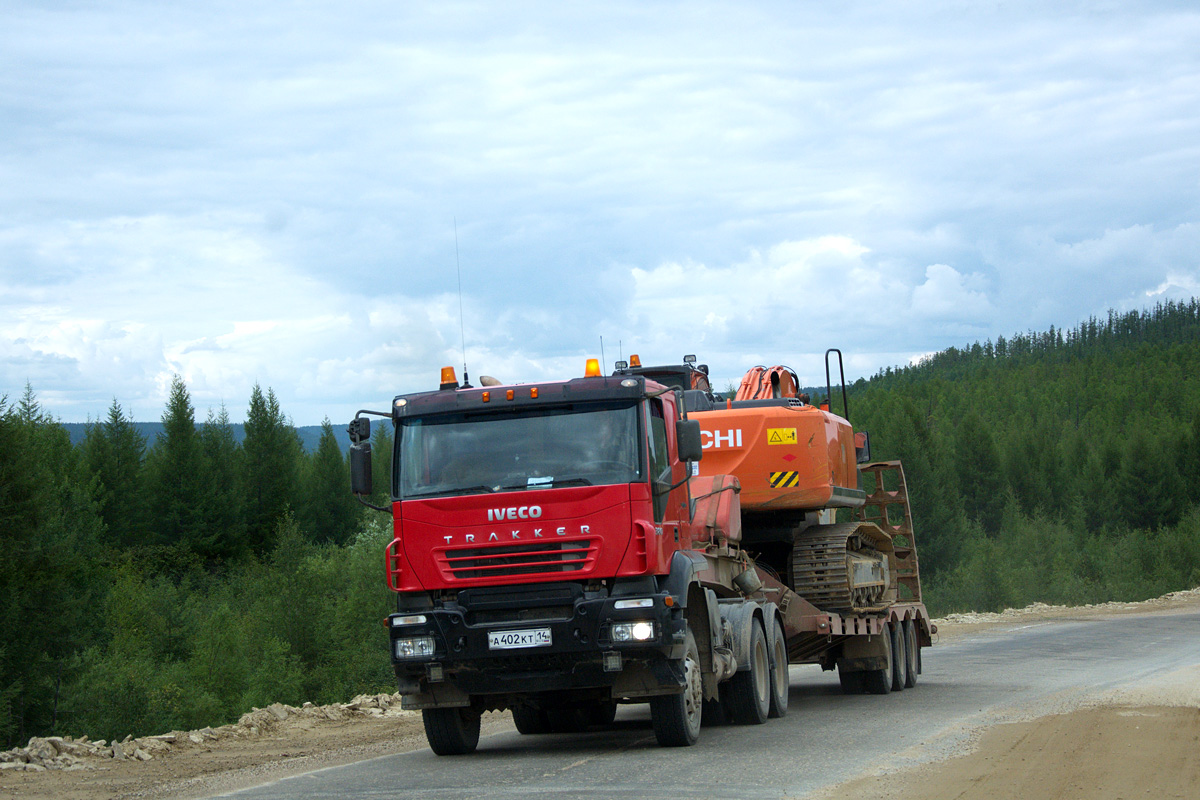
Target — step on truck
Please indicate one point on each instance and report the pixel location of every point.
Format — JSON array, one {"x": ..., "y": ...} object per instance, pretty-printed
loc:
[{"x": 562, "y": 547}]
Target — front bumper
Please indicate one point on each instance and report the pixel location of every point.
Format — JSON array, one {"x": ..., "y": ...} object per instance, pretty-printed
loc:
[{"x": 457, "y": 656}]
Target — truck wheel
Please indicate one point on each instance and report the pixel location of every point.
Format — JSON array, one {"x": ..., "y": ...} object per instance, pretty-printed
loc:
[
  {"x": 530, "y": 720},
  {"x": 602, "y": 712},
  {"x": 567, "y": 720},
  {"x": 676, "y": 717},
  {"x": 713, "y": 713},
  {"x": 852, "y": 682},
  {"x": 451, "y": 731},
  {"x": 899, "y": 656},
  {"x": 750, "y": 689},
  {"x": 780, "y": 683},
  {"x": 879, "y": 681},
  {"x": 913, "y": 651}
]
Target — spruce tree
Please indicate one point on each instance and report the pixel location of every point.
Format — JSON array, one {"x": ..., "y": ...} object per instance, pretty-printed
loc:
[
  {"x": 329, "y": 508},
  {"x": 270, "y": 468},
  {"x": 224, "y": 525},
  {"x": 115, "y": 453},
  {"x": 176, "y": 469}
]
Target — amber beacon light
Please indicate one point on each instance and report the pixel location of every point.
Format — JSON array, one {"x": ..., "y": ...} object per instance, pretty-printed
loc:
[{"x": 592, "y": 370}]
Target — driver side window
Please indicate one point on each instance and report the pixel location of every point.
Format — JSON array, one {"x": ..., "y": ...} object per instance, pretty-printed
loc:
[{"x": 660, "y": 465}]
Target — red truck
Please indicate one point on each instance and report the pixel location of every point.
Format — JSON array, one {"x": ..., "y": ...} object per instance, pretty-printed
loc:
[{"x": 559, "y": 549}]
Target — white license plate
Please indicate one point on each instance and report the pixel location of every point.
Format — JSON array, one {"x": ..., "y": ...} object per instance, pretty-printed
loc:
[{"x": 513, "y": 640}]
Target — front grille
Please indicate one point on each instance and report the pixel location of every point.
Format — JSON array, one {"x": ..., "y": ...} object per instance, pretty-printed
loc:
[
  {"x": 520, "y": 615},
  {"x": 525, "y": 559}
]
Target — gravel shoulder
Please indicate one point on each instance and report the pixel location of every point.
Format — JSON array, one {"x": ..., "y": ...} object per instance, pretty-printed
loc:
[{"x": 1141, "y": 741}]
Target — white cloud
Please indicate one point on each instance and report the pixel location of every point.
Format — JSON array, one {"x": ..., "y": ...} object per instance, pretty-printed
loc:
[{"x": 947, "y": 295}]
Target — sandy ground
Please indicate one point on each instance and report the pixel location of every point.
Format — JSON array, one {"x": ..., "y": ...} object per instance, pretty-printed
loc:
[{"x": 1135, "y": 743}]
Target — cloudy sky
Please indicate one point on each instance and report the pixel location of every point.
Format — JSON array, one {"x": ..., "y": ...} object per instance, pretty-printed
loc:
[{"x": 269, "y": 192}]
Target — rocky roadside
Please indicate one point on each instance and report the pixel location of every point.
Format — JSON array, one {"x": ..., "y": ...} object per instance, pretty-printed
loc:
[{"x": 72, "y": 754}]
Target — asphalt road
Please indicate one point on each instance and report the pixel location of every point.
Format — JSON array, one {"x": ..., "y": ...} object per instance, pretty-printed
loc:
[{"x": 827, "y": 737}]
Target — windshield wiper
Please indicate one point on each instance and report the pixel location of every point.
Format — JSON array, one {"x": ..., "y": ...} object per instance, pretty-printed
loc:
[
  {"x": 572, "y": 482},
  {"x": 538, "y": 483},
  {"x": 481, "y": 489}
]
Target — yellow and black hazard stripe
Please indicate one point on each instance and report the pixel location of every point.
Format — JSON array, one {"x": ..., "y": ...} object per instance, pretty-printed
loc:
[{"x": 784, "y": 480}]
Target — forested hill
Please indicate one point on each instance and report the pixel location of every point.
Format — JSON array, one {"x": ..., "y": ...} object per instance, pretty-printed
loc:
[
  {"x": 310, "y": 435},
  {"x": 1055, "y": 466}
]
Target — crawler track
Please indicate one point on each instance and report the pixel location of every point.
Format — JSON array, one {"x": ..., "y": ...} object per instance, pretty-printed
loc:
[{"x": 821, "y": 566}]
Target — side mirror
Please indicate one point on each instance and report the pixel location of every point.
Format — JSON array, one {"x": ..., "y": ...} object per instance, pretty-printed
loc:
[
  {"x": 862, "y": 447},
  {"x": 360, "y": 468},
  {"x": 359, "y": 430},
  {"x": 687, "y": 436}
]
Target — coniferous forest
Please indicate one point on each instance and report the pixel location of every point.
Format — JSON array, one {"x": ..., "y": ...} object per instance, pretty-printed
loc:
[{"x": 147, "y": 586}]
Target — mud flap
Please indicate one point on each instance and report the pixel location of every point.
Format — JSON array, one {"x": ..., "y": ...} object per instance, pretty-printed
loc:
[{"x": 438, "y": 695}]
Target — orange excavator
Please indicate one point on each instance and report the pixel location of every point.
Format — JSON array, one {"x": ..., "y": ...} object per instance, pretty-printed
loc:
[{"x": 797, "y": 465}]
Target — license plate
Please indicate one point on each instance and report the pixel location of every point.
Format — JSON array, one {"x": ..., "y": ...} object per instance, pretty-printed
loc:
[{"x": 513, "y": 640}]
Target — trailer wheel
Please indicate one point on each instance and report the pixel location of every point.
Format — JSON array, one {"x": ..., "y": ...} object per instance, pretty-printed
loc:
[
  {"x": 750, "y": 689},
  {"x": 451, "y": 731},
  {"x": 899, "y": 656},
  {"x": 780, "y": 683},
  {"x": 913, "y": 651},
  {"x": 879, "y": 681},
  {"x": 676, "y": 717},
  {"x": 530, "y": 720}
]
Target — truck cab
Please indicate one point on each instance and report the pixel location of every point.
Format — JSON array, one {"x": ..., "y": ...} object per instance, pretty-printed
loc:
[{"x": 540, "y": 552}]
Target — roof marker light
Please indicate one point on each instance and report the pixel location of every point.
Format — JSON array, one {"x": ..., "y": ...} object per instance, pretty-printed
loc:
[
  {"x": 487, "y": 397},
  {"x": 508, "y": 395},
  {"x": 533, "y": 392}
]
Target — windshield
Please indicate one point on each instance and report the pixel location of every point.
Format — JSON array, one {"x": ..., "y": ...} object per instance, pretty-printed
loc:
[{"x": 540, "y": 448}]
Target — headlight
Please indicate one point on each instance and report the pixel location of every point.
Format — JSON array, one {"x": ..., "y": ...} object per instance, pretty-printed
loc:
[
  {"x": 414, "y": 647},
  {"x": 632, "y": 631}
]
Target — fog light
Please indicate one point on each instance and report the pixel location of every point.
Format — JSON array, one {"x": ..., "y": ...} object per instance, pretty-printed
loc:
[
  {"x": 416, "y": 647},
  {"x": 632, "y": 631},
  {"x": 612, "y": 661}
]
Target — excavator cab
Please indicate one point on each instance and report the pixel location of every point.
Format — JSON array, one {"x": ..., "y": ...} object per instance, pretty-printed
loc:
[{"x": 687, "y": 376}]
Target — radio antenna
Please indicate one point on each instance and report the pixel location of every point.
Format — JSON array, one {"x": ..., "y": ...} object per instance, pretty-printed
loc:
[
  {"x": 461, "y": 325},
  {"x": 602, "y": 361}
]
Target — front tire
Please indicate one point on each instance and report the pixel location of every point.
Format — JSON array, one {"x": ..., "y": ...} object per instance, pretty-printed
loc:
[
  {"x": 676, "y": 717},
  {"x": 750, "y": 689},
  {"x": 451, "y": 731}
]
